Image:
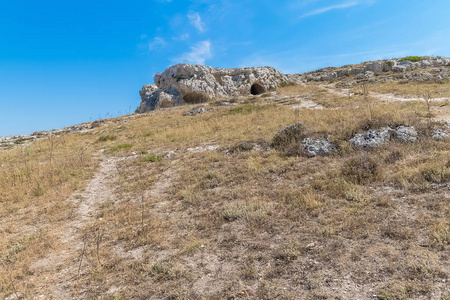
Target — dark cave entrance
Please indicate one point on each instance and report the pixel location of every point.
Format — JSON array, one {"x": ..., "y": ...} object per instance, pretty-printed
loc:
[{"x": 257, "y": 89}]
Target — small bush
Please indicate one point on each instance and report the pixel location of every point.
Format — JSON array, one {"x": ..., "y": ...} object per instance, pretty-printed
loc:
[
  {"x": 121, "y": 147},
  {"x": 411, "y": 58},
  {"x": 360, "y": 168},
  {"x": 289, "y": 135},
  {"x": 106, "y": 138}
]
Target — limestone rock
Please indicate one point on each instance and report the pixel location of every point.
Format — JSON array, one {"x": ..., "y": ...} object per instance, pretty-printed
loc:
[
  {"x": 405, "y": 134},
  {"x": 187, "y": 84},
  {"x": 442, "y": 133},
  {"x": 315, "y": 147},
  {"x": 375, "y": 138},
  {"x": 372, "y": 138},
  {"x": 399, "y": 69},
  {"x": 195, "y": 111},
  {"x": 149, "y": 98}
]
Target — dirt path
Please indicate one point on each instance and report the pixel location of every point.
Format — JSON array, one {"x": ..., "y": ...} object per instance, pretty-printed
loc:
[{"x": 59, "y": 270}]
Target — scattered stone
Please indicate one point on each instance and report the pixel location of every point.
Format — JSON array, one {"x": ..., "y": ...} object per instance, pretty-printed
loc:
[
  {"x": 203, "y": 148},
  {"x": 225, "y": 103},
  {"x": 195, "y": 111},
  {"x": 78, "y": 127},
  {"x": 170, "y": 153},
  {"x": 315, "y": 147},
  {"x": 310, "y": 245}
]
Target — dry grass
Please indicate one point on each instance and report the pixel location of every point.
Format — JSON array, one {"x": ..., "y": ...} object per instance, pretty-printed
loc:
[
  {"x": 412, "y": 89},
  {"x": 35, "y": 180},
  {"x": 246, "y": 225}
]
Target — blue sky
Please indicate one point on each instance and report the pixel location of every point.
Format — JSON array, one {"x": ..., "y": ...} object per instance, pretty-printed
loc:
[{"x": 66, "y": 62}]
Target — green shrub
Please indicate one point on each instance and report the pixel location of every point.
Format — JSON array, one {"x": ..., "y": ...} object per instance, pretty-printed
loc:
[
  {"x": 411, "y": 58},
  {"x": 360, "y": 168}
]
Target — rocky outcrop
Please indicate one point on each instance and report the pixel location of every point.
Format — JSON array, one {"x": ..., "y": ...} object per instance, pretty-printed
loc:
[
  {"x": 437, "y": 65},
  {"x": 186, "y": 83},
  {"x": 375, "y": 138}
]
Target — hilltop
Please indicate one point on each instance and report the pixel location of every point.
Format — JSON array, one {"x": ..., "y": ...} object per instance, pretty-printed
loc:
[{"x": 332, "y": 184}]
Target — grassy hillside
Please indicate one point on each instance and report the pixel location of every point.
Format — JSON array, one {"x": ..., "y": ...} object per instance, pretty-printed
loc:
[{"x": 169, "y": 206}]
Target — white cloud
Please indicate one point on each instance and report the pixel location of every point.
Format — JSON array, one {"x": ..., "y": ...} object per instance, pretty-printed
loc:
[
  {"x": 328, "y": 8},
  {"x": 156, "y": 43},
  {"x": 196, "y": 21},
  {"x": 198, "y": 54}
]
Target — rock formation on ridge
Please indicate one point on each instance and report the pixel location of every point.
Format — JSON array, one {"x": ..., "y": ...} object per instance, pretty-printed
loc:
[
  {"x": 186, "y": 83},
  {"x": 428, "y": 68}
]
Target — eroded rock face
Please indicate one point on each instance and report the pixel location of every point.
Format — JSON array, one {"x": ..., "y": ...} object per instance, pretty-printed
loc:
[{"x": 186, "y": 83}]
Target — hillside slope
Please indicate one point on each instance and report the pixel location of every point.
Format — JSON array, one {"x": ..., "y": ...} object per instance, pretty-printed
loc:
[{"x": 228, "y": 199}]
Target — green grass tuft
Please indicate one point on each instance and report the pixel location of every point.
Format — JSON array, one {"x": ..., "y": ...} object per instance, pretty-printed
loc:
[
  {"x": 121, "y": 147},
  {"x": 152, "y": 158},
  {"x": 411, "y": 58}
]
